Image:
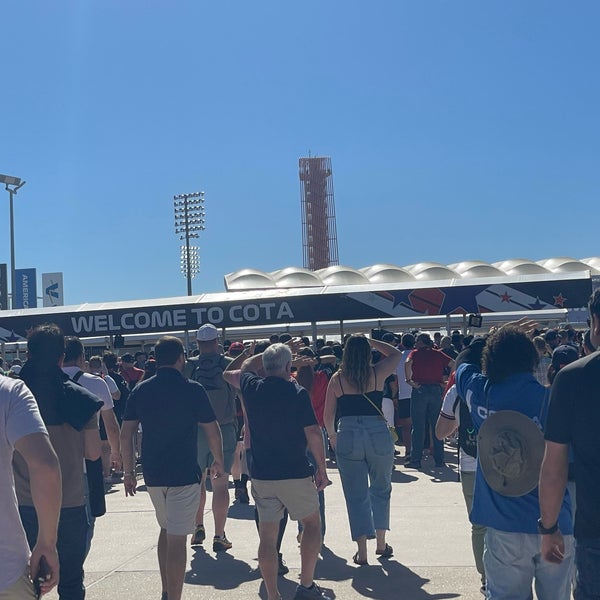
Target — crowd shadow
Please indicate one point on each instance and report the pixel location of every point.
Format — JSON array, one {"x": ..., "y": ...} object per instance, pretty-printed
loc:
[{"x": 221, "y": 570}]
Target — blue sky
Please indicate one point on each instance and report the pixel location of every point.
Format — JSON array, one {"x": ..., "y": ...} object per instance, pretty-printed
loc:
[{"x": 457, "y": 130}]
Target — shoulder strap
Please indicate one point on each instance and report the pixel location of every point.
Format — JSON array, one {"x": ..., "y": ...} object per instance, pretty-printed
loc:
[
  {"x": 77, "y": 376},
  {"x": 373, "y": 405},
  {"x": 375, "y": 375},
  {"x": 340, "y": 381}
]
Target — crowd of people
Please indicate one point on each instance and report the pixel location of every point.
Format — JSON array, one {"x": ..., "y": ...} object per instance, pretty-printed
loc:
[{"x": 229, "y": 408}]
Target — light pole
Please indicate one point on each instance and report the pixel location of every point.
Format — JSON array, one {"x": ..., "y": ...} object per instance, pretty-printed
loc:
[
  {"x": 189, "y": 221},
  {"x": 12, "y": 186}
]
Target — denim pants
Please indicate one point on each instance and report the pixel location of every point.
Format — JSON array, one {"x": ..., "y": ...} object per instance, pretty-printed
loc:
[
  {"x": 71, "y": 546},
  {"x": 587, "y": 558},
  {"x": 513, "y": 561},
  {"x": 425, "y": 401},
  {"x": 365, "y": 456}
]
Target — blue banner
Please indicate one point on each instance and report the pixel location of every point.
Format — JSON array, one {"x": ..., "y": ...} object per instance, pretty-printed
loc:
[{"x": 25, "y": 292}]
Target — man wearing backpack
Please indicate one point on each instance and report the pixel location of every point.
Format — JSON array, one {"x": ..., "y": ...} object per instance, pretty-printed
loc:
[
  {"x": 207, "y": 368},
  {"x": 455, "y": 414}
]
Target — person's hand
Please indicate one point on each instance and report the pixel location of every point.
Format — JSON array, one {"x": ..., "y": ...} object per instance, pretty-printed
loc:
[
  {"x": 333, "y": 440},
  {"x": 524, "y": 325},
  {"x": 217, "y": 470},
  {"x": 553, "y": 547},
  {"x": 304, "y": 361},
  {"x": 321, "y": 480},
  {"x": 295, "y": 345},
  {"x": 116, "y": 462},
  {"x": 44, "y": 564},
  {"x": 130, "y": 481}
]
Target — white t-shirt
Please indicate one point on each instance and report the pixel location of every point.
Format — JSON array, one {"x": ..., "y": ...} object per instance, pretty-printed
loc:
[
  {"x": 465, "y": 461},
  {"x": 19, "y": 416},
  {"x": 94, "y": 384},
  {"x": 404, "y": 390}
]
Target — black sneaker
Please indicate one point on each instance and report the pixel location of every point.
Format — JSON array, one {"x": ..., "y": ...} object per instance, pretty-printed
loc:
[
  {"x": 314, "y": 592},
  {"x": 221, "y": 544},
  {"x": 199, "y": 536},
  {"x": 241, "y": 495},
  {"x": 282, "y": 568}
]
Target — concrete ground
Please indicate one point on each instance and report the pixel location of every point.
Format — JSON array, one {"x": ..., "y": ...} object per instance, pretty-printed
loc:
[{"x": 430, "y": 535}]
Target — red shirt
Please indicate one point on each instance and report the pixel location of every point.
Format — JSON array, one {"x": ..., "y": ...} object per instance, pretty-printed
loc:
[{"x": 428, "y": 365}]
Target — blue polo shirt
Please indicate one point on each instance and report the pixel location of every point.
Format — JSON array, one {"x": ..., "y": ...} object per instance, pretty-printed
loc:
[
  {"x": 169, "y": 407},
  {"x": 520, "y": 392}
]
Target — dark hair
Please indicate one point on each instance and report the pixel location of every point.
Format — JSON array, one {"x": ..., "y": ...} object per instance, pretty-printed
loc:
[
  {"x": 284, "y": 337},
  {"x": 110, "y": 360},
  {"x": 73, "y": 348},
  {"x": 424, "y": 338},
  {"x": 140, "y": 353},
  {"x": 408, "y": 341},
  {"x": 508, "y": 351},
  {"x": 168, "y": 350},
  {"x": 150, "y": 369},
  {"x": 305, "y": 340},
  {"x": 46, "y": 344},
  {"x": 594, "y": 303},
  {"x": 261, "y": 347}
]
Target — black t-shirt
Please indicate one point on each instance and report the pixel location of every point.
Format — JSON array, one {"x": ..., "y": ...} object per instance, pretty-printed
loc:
[
  {"x": 573, "y": 418},
  {"x": 169, "y": 407},
  {"x": 277, "y": 412}
]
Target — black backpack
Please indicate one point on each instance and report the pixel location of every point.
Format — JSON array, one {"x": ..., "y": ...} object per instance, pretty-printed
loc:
[{"x": 467, "y": 436}]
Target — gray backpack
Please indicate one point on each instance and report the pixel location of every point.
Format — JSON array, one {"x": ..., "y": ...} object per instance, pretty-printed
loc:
[{"x": 208, "y": 370}]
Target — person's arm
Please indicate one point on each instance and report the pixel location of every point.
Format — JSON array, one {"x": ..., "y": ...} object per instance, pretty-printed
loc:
[
  {"x": 215, "y": 444},
  {"x": 92, "y": 446},
  {"x": 553, "y": 481},
  {"x": 112, "y": 433},
  {"x": 128, "y": 431},
  {"x": 253, "y": 364},
  {"x": 314, "y": 441},
  {"x": 331, "y": 408},
  {"x": 445, "y": 426},
  {"x": 447, "y": 421},
  {"x": 46, "y": 491},
  {"x": 408, "y": 374},
  {"x": 391, "y": 357}
]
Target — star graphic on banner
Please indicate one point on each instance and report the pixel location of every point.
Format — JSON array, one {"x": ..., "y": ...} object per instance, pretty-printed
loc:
[
  {"x": 505, "y": 297},
  {"x": 401, "y": 297},
  {"x": 537, "y": 305},
  {"x": 559, "y": 300},
  {"x": 459, "y": 299}
]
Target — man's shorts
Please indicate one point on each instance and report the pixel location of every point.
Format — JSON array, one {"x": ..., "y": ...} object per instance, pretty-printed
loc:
[
  {"x": 271, "y": 497},
  {"x": 22, "y": 589},
  {"x": 205, "y": 457},
  {"x": 176, "y": 507}
]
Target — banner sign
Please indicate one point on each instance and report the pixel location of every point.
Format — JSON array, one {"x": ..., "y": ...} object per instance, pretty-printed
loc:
[
  {"x": 235, "y": 309},
  {"x": 25, "y": 292},
  {"x": 52, "y": 289},
  {"x": 3, "y": 287}
]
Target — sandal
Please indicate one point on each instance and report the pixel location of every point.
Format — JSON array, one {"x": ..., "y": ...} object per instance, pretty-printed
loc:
[
  {"x": 357, "y": 560},
  {"x": 387, "y": 552}
]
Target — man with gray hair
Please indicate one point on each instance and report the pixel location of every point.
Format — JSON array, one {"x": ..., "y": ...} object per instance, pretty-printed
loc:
[{"x": 282, "y": 424}]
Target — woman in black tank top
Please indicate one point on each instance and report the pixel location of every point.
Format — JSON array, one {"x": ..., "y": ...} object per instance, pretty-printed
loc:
[{"x": 363, "y": 445}]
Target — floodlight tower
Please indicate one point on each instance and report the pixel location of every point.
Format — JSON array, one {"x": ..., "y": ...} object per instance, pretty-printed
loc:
[
  {"x": 319, "y": 236},
  {"x": 12, "y": 186},
  {"x": 189, "y": 221}
]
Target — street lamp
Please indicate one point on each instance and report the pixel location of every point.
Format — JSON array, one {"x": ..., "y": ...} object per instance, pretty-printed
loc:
[
  {"x": 189, "y": 221},
  {"x": 12, "y": 185}
]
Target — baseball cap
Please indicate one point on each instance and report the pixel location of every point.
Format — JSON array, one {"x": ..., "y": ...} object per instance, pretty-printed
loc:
[
  {"x": 564, "y": 355},
  {"x": 236, "y": 347},
  {"x": 207, "y": 333},
  {"x": 551, "y": 335}
]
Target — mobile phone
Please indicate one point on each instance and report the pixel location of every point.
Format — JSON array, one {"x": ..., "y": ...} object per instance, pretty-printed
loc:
[{"x": 41, "y": 577}]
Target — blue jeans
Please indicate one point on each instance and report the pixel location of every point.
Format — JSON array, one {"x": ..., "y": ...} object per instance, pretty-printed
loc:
[
  {"x": 513, "y": 561},
  {"x": 425, "y": 401},
  {"x": 365, "y": 456},
  {"x": 71, "y": 546},
  {"x": 587, "y": 558}
]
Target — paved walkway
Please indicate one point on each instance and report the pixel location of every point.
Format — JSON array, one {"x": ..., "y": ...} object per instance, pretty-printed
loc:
[{"x": 429, "y": 532}]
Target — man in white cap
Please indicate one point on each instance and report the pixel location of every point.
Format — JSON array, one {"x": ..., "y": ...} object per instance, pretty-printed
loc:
[{"x": 207, "y": 368}]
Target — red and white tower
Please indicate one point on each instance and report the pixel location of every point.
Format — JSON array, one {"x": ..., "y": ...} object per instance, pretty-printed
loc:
[{"x": 319, "y": 236}]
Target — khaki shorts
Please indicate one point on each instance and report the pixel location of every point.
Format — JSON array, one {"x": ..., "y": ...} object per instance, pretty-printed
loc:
[
  {"x": 299, "y": 496},
  {"x": 205, "y": 457},
  {"x": 22, "y": 589},
  {"x": 176, "y": 507}
]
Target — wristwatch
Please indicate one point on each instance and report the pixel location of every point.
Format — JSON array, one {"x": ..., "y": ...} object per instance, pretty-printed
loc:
[{"x": 546, "y": 530}]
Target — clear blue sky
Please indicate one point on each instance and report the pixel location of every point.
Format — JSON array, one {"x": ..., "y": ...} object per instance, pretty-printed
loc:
[{"x": 457, "y": 130}]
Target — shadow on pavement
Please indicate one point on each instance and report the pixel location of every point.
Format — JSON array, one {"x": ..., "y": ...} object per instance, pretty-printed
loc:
[{"x": 221, "y": 571}]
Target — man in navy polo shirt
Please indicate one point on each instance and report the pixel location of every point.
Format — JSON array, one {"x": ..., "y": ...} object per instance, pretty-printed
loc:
[{"x": 170, "y": 408}]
